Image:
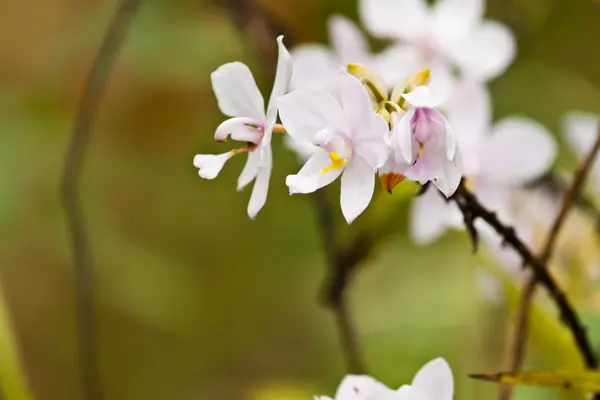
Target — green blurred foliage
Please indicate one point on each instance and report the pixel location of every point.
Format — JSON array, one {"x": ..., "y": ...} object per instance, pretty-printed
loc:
[{"x": 195, "y": 300}]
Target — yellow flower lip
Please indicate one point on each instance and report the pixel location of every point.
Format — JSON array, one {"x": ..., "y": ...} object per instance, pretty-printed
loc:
[{"x": 336, "y": 162}]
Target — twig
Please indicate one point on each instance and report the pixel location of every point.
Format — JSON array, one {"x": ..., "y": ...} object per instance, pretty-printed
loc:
[
  {"x": 570, "y": 196},
  {"x": 568, "y": 315},
  {"x": 80, "y": 137}
]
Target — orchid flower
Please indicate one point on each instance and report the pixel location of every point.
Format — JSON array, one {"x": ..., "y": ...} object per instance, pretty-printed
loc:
[
  {"x": 496, "y": 160},
  {"x": 433, "y": 381},
  {"x": 351, "y": 141},
  {"x": 239, "y": 98},
  {"x": 449, "y": 33},
  {"x": 424, "y": 140},
  {"x": 581, "y": 129}
]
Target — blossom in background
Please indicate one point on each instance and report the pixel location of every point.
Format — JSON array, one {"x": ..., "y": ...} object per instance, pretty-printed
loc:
[
  {"x": 239, "y": 98},
  {"x": 351, "y": 141},
  {"x": 581, "y": 129},
  {"x": 516, "y": 150},
  {"x": 316, "y": 65},
  {"x": 449, "y": 33},
  {"x": 434, "y": 381}
]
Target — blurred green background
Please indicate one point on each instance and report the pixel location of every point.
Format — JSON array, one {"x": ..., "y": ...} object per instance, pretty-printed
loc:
[{"x": 195, "y": 300}]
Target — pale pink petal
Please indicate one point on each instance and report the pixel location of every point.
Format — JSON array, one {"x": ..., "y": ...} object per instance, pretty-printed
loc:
[
  {"x": 580, "y": 130},
  {"x": 261, "y": 186},
  {"x": 305, "y": 112},
  {"x": 250, "y": 170},
  {"x": 371, "y": 144},
  {"x": 428, "y": 217},
  {"x": 434, "y": 381},
  {"x": 347, "y": 40},
  {"x": 358, "y": 185},
  {"x": 356, "y": 104},
  {"x": 519, "y": 150},
  {"x": 310, "y": 176},
  {"x": 469, "y": 113},
  {"x": 397, "y": 19},
  {"x": 454, "y": 19},
  {"x": 236, "y": 91},
  {"x": 423, "y": 96},
  {"x": 283, "y": 76},
  {"x": 401, "y": 138},
  {"x": 304, "y": 150},
  {"x": 396, "y": 62},
  {"x": 314, "y": 65},
  {"x": 485, "y": 52},
  {"x": 358, "y": 387},
  {"x": 210, "y": 165}
]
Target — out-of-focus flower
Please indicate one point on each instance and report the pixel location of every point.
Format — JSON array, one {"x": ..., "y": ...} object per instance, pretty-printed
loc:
[
  {"x": 513, "y": 152},
  {"x": 317, "y": 65},
  {"x": 425, "y": 140},
  {"x": 581, "y": 129},
  {"x": 239, "y": 98},
  {"x": 449, "y": 33},
  {"x": 433, "y": 381},
  {"x": 351, "y": 141}
]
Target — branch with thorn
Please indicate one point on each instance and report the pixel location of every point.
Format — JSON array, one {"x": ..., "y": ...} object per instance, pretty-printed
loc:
[{"x": 74, "y": 160}]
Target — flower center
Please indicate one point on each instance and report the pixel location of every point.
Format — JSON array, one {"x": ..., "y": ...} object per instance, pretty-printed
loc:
[{"x": 336, "y": 162}]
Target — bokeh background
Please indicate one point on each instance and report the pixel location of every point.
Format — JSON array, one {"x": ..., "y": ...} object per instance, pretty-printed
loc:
[{"x": 195, "y": 300}]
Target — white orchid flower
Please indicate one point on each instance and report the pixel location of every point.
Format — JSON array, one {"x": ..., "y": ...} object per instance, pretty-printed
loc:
[
  {"x": 239, "y": 98},
  {"x": 350, "y": 136},
  {"x": 433, "y": 381},
  {"x": 424, "y": 138},
  {"x": 449, "y": 33},
  {"x": 581, "y": 129},
  {"x": 496, "y": 160}
]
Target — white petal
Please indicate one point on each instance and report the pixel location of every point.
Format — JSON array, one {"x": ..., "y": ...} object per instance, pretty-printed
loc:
[
  {"x": 261, "y": 187},
  {"x": 580, "y": 129},
  {"x": 314, "y": 66},
  {"x": 428, "y": 217},
  {"x": 304, "y": 150},
  {"x": 305, "y": 112},
  {"x": 347, "y": 40},
  {"x": 355, "y": 387},
  {"x": 358, "y": 184},
  {"x": 451, "y": 144},
  {"x": 236, "y": 91},
  {"x": 449, "y": 179},
  {"x": 469, "y": 113},
  {"x": 402, "y": 138},
  {"x": 423, "y": 96},
  {"x": 456, "y": 18},
  {"x": 283, "y": 76},
  {"x": 250, "y": 170},
  {"x": 396, "y": 62},
  {"x": 239, "y": 130},
  {"x": 434, "y": 381},
  {"x": 486, "y": 52},
  {"x": 210, "y": 164},
  {"x": 519, "y": 150},
  {"x": 372, "y": 144},
  {"x": 356, "y": 105},
  {"x": 310, "y": 178},
  {"x": 398, "y": 19}
]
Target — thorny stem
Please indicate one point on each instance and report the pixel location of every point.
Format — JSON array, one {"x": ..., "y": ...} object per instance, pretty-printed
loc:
[
  {"x": 570, "y": 196},
  {"x": 80, "y": 137},
  {"x": 568, "y": 315}
]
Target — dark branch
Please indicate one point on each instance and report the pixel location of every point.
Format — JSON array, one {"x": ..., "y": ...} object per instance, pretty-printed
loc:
[
  {"x": 80, "y": 137},
  {"x": 568, "y": 315}
]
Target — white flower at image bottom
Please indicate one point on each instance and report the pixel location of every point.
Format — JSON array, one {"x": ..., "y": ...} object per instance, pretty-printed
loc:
[{"x": 434, "y": 381}]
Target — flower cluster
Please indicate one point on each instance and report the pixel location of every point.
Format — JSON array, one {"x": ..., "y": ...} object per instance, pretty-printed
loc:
[{"x": 352, "y": 126}]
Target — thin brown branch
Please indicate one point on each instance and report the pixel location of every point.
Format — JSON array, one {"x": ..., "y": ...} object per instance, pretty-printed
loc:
[
  {"x": 568, "y": 315},
  {"x": 80, "y": 137},
  {"x": 570, "y": 196}
]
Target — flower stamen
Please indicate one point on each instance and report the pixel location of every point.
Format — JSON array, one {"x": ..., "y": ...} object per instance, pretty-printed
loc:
[{"x": 336, "y": 162}]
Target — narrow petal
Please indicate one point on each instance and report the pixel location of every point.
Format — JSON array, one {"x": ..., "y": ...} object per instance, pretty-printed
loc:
[
  {"x": 428, "y": 217},
  {"x": 422, "y": 96},
  {"x": 355, "y": 387},
  {"x": 395, "y": 63},
  {"x": 283, "y": 76},
  {"x": 454, "y": 19},
  {"x": 239, "y": 130},
  {"x": 402, "y": 138},
  {"x": 236, "y": 91},
  {"x": 519, "y": 150},
  {"x": 210, "y": 164},
  {"x": 250, "y": 170},
  {"x": 261, "y": 187},
  {"x": 469, "y": 113},
  {"x": 305, "y": 112},
  {"x": 356, "y": 104},
  {"x": 310, "y": 177},
  {"x": 451, "y": 145},
  {"x": 397, "y": 19},
  {"x": 347, "y": 40},
  {"x": 358, "y": 184},
  {"x": 486, "y": 52},
  {"x": 449, "y": 178},
  {"x": 434, "y": 381}
]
